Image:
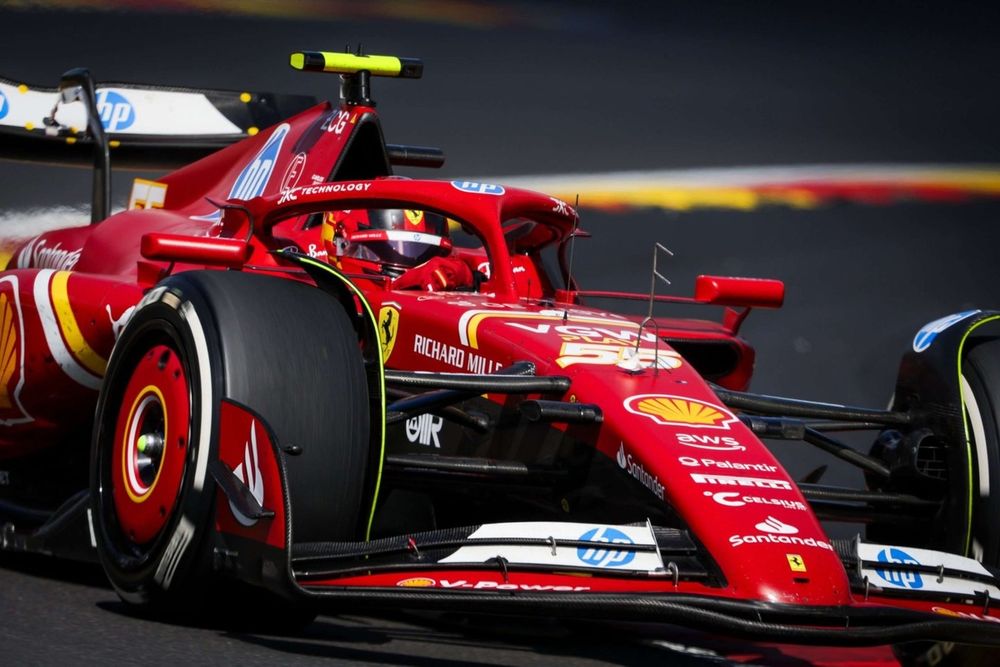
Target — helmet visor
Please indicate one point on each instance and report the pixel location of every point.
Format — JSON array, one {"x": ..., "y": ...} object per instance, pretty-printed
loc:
[{"x": 396, "y": 247}]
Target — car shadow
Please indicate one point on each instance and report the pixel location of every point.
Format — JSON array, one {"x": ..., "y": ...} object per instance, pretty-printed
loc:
[
  {"x": 419, "y": 639},
  {"x": 423, "y": 638},
  {"x": 57, "y": 569}
]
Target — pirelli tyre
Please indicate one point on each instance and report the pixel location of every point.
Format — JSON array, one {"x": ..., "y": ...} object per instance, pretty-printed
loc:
[{"x": 284, "y": 349}]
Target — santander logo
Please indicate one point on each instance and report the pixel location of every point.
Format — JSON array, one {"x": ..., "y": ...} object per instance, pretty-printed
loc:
[
  {"x": 772, "y": 525},
  {"x": 249, "y": 473}
]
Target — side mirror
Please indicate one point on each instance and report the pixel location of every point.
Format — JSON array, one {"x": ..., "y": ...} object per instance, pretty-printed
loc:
[{"x": 750, "y": 292}]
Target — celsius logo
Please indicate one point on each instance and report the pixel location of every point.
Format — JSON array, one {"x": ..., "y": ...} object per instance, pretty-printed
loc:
[
  {"x": 254, "y": 177},
  {"x": 733, "y": 499},
  {"x": 896, "y": 577},
  {"x": 634, "y": 468},
  {"x": 4, "y": 105},
  {"x": 604, "y": 556},
  {"x": 772, "y": 525},
  {"x": 116, "y": 112},
  {"x": 248, "y": 472}
]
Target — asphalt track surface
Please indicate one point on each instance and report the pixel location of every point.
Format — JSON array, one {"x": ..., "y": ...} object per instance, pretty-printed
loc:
[{"x": 590, "y": 88}]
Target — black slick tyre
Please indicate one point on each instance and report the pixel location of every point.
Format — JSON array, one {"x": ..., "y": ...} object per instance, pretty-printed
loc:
[{"x": 285, "y": 350}]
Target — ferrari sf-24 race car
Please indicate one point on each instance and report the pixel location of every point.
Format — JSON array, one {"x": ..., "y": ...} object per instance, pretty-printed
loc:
[{"x": 234, "y": 380}]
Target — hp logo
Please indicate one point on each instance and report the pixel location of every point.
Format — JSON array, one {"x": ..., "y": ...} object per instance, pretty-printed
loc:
[
  {"x": 605, "y": 556},
  {"x": 116, "y": 112},
  {"x": 254, "y": 178},
  {"x": 478, "y": 188},
  {"x": 4, "y": 105},
  {"x": 896, "y": 577}
]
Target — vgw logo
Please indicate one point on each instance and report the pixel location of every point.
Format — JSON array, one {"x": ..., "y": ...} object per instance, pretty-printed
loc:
[
  {"x": 116, "y": 112},
  {"x": 897, "y": 577},
  {"x": 4, "y": 105},
  {"x": 604, "y": 556}
]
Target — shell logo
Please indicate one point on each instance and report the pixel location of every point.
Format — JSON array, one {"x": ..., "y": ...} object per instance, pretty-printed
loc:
[
  {"x": 417, "y": 582},
  {"x": 680, "y": 411},
  {"x": 8, "y": 351},
  {"x": 11, "y": 355}
]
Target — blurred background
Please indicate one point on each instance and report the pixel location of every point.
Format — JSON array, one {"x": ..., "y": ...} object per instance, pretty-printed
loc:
[{"x": 849, "y": 149}]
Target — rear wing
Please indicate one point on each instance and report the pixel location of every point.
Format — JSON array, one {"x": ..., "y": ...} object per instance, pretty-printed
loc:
[
  {"x": 162, "y": 128},
  {"x": 147, "y": 127}
]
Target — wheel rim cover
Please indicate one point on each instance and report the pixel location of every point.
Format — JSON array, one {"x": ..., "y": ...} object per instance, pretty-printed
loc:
[{"x": 150, "y": 444}]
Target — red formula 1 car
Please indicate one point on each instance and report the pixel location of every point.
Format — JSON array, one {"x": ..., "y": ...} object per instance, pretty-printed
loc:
[{"x": 286, "y": 367}]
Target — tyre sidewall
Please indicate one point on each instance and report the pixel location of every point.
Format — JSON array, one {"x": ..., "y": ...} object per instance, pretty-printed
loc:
[
  {"x": 146, "y": 574},
  {"x": 981, "y": 369}
]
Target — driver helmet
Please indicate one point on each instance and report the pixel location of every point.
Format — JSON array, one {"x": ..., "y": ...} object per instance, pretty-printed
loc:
[{"x": 385, "y": 240}]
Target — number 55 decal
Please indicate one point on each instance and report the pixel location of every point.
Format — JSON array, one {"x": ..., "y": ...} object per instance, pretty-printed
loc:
[{"x": 609, "y": 355}]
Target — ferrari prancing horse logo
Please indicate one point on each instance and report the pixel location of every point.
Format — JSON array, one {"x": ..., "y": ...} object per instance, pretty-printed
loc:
[
  {"x": 415, "y": 218},
  {"x": 388, "y": 325},
  {"x": 795, "y": 563}
]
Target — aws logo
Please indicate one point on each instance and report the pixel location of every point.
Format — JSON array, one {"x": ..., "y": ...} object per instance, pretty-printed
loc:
[{"x": 679, "y": 411}]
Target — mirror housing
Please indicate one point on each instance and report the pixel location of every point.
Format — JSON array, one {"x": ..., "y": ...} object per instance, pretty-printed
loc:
[{"x": 731, "y": 291}]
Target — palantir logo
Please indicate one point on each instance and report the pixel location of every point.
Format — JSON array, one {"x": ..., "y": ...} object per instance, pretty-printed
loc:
[
  {"x": 893, "y": 577},
  {"x": 604, "y": 556},
  {"x": 4, "y": 105},
  {"x": 116, "y": 112},
  {"x": 254, "y": 177}
]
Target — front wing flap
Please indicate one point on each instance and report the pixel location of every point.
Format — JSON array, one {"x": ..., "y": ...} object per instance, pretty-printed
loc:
[{"x": 648, "y": 574}]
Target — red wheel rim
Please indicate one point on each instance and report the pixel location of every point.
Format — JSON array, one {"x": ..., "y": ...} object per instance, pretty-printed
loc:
[{"x": 151, "y": 444}]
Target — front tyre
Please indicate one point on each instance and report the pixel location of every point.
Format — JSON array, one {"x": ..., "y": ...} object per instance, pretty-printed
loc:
[
  {"x": 285, "y": 350},
  {"x": 979, "y": 383},
  {"x": 152, "y": 441}
]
